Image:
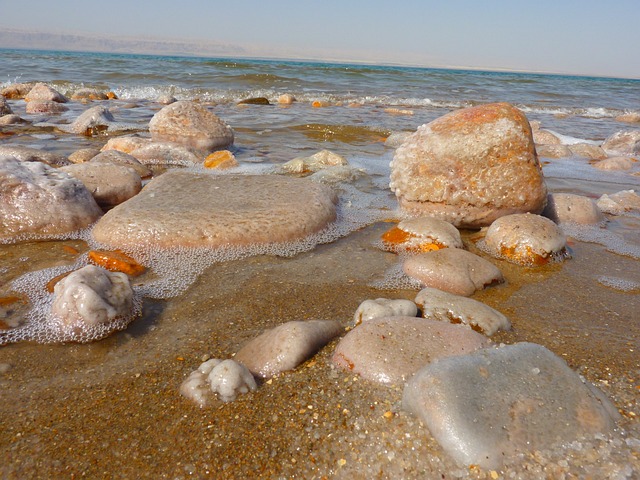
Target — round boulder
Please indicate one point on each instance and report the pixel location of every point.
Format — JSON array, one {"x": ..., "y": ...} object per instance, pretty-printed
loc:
[
  {"x": 108, "y": 183},
  {"x": 470, "y": 167},
  {"x": 42, "y": 92},
  {"x": 568, "y": 207}
]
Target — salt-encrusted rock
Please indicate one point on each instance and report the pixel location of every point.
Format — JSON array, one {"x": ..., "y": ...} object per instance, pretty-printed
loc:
[
  {"x": 157, "y": 153},
  {"x": 396, "y": 139},
  {"x": 190, "y": 124},
  {"x": 544, "y": 137},
  {"x": 36, "y": 199},
  {"x": 126, "y": 143},
  {"x": 485, "y": 407},
  {"x": 631, "y": 117},
  {"x": 448, "y": 307},
  {"x": 317, "y": 161},
  {"x": 452, "y": 270},
  {"x": 186, "y": 209},
  {"x": 120, "y": 158},
  {"x": 470, "y": 167},
  {"x": 422, "y": 234},
  {"x": 526, "y": 239},
  {"x": 166, "y": 99},
  {"x": 626, "y": 142},
  {"x": 391, "y": 350},
  {"x": 384, "y": 307},
  {"x": 615, "y": 163},
  {"x": 286, "y": 346},
  {"x": 17, "y": 91},
  {"x": 89, "y": 94},
  {"x": 92, "y": 121},
  {"x": 91, "y": 296},
  {"x": 43, "y": 92},
  {"x": 570, "y": 208},
  {"x": 108, "y": 183},
  {"x": 620, "y": 202},
  {"x": 227, "y": 378},
  {"x": 286, "y": 99},
  {"x": 5, "y": 109},
  {"x": 83, "y": 155},
  {"x": 553, "y": 151},
  {"x": 45, "y": 106},
  {"x": 28, "y": 154},
  {"x": 588, "y": 150}
]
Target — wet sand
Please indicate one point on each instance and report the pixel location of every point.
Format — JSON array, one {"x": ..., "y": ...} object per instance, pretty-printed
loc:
[{"x": 111, "y": 409}]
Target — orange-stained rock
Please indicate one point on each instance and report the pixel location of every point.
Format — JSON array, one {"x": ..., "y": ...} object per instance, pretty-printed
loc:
[
  {"x": 52, "y": 283},
  {"x": 70, "y": 250},
  {"x": 319, "y": 104},
  {"x": 16, "y": 91},
  {"x": 116, "y": 261},
  {"x": 470, "y": 167},
  {"x": 222, "y": 160},
  {"x": 89, "y": 94},
  {"x": 126, "y": 143},
  {"x": 112, "y": 96},
  {"x": 422, "y": 234}
]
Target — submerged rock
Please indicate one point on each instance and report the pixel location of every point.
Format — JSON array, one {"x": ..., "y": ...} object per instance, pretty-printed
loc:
[
  {"x": 226, "y": 378},
  {"x": 286, "y": 99},
  {"x": 470, "y": 167},
  {"x": 453, "y": 270},
  {"x": 571, "y": 208},
  {"x": 390, "y": 350},
  {"x": 525, "y": 239},
  {"x": 36, "y": 199},
  {"x": 422, "y": 234},
  {"x": 286, "y": 346},
  {"x": 28, "y": 154},
  {"x": 316, "y": 162},
  {"x": 89, "y": 94},
  {"x": 190, "y": 124},
  {"x": 191, "y": 210},
  {"x": 92, "y": 121},
  {"x": 484, "y": 407},
  {"x": 384, "y": 307},
  {"x": 448, "y": 307},
  {"x": 43, "y": 93},
  {"x": 626, "y": 142},
  {"x": 108, "y": 183}
]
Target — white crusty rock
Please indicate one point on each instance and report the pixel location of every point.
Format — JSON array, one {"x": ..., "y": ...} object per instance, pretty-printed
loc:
[
  {"x": 390, "y": 350},
  {"x": 626, "y": 142},
  {"x": 108, "y": 183},
  {"x": 181, "y": 209},
  {"x": 422, "y": 234},
  {"x": 448, "y": 307},
  {"x": 384, "y": 307},
  {"x": 316, "y": 162},
  {"x": 36, "y": 199},
  {"x": 620, "y": 202},
  {"x": 226, "y": 378},
  {"x": 286, "y": 346},
  {"x": 91, "y": 296},
  {"x": 470, "y": 167},
  {"x": 571, "y": 208},
  {"x": 452, "y": 270},
  {"x": 526, "y": 239},
  {"x": 190, "y": 124},
  {"x": 485, "y": 407},
  {"x": 42, "y": 92},
  {"x": 28, "y": 154}
]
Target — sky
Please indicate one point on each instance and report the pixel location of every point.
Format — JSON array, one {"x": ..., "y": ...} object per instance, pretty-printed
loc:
[{"x": 562, "y": 36}]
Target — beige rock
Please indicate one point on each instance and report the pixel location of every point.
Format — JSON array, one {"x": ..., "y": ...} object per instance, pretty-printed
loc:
[
  {"x": 92, "y": 121},
  {"x": 620, "y": 202},
  {"x": 185, "y": 209},
  {"x": 45, "y": 106},
  {"x": 422, "y": 234},
  {"x": 626, "y": 142},
  {"x": 28, "y": 154},
  {"x": 452, "y": 270},
  {"x": 89, "y": 94},
  {"x": 567, "y": 207},
  {"x": 166, "y": 99},
  {"x": 631, "y": 117},
  {"x": 553, "y": 151},
  {"x": 165, "y": 153},
  {"x": 126, "y": 143},
  {"x": 384, "y": 307},
  {"x": 108, "y": 183},
  {"x": 616, "y": 163},
  {"x": 17, "y": 91},
  {"x": 470, "y": 167},
  {"x": 286, "y": 99},
  {"x": 190, "y": 124},
  {"x": 83, "y": 155},
  {"x": 314, "y": 163},
  {"x": 545, "y": 137},
  {"x": 117, "y": 157},
  {"x": 588, "y": 150},
  {"x": 43, "y": 92},
  {"x": 11, "y": 119}
]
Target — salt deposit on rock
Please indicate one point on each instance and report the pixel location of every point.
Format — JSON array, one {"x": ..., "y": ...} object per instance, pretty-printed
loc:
[
  {"x": 5, "y": 109},
  {"x": 384, "y": 307},
  {"x": 36, "y": 199},
  {"x": 615, "y": 163},
  {"x": 108, "y": 183},
  {"x": 396, "y": 139},
  {"x": 92, "y": 295},
  {"x": 448, "y": 307},
  {"x": 525, "y": 239},
  {"x": 626, "y": 142},
  {"x": 117, "y": 157},
  {"x": 452, "y": 270},
  {"x": 470, "y": 167},
  {"x": 226, "y": 378},
  {"x": 17, "y": 91},
  {"x": 620, "y": 202},
  {"x": 92, "y": 121},
  {"x": 185, "y": 209},
  {"x": 190, "y": 124},
  {"x": 286, "y": 99},
  {"x": 28, "y": 154},
  {"x": 567, "y": 207},
  {"x": 89, "y": 94},
  {"x": 484, "y": 407},
  {"x": 165, "y": 154},
  {"x": 42, "y": 92},
  {"x": 286, "y": 346},
  {"x": 126, "y": 143},
  {"x": 422, "y": 234},
  {"x": 553, "y": 151},
  {"x": 315, "y": 162},
  {"x": 588, "y": 150},
  {"x": 45, "y": 106},
  {"x": 390, "y": 350}
]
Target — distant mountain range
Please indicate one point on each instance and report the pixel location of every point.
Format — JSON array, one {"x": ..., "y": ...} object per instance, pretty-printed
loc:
[{"x": 24, "y": 39}]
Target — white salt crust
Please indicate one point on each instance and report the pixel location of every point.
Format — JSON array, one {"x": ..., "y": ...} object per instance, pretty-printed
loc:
[
  {"x": 613, "y": 242},
  {"x": 618, "y": 283}
]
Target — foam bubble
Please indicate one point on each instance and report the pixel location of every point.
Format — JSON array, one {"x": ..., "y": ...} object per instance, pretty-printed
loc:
[{"x": 593, "y": 234}]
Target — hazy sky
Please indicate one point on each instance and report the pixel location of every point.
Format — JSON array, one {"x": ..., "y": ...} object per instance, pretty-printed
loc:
[{"x": 573, "y": 36}]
